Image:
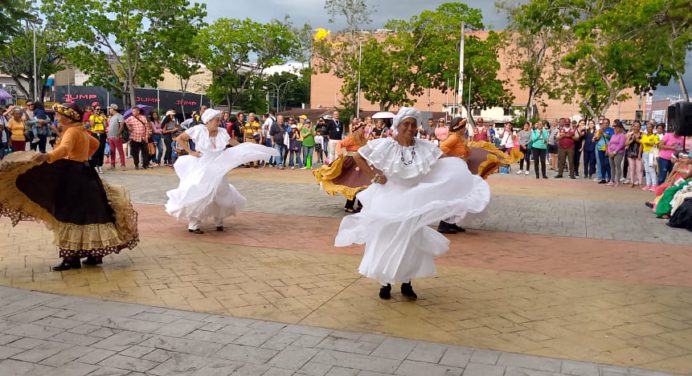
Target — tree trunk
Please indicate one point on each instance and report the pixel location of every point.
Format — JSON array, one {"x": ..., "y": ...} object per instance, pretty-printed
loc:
[
  {"x": 590, "y": 109},
  {"x": 20, "y": 86},
  {"x": 529, "y": 104},
  {"x": 606, "y": 106},
  {"x": 133, "y": 100},
  {"x": 683, "y": 87},
  {"x": 183, "y": 88}
]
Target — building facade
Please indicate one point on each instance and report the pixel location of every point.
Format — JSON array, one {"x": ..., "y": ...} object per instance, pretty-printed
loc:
[{"x": 325, "y": 93}]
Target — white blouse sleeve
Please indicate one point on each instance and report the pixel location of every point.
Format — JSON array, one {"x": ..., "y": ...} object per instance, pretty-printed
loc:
[
  {"x": 386, "y": 155},
  {"x": 193, "y": 132},
  {"x": 223, "y": 138}
]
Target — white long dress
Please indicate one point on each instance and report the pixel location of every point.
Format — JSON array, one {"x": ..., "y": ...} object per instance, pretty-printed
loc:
[
  {"x": 203, "y": 191},
  {"x": 421, "y": 190}
]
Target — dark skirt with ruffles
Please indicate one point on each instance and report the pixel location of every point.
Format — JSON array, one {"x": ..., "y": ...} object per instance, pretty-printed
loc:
[{"x": 87, "y": 216}]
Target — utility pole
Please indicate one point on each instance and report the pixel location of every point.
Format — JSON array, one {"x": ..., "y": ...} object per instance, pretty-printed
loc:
[{"x": 360, "y": 58}]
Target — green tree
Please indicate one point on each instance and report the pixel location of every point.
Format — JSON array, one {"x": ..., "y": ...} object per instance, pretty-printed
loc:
[
  {"x": 606, "y": 58},
  {"x": 295, "y": 88},
  {"x": 337, "y": 54},
  {"x": 122, "y": 44},
  {"x": 12, "y": 13},
  {"x": 536, "y": 33},
  {"x": 665, "y": 28},
  {"x": 385, "y": 74},
  {"x": 610, "y": 47},
  {"x": 17, "y": 57},
  {"x": 184, "y": 62},
  {"x": 238, "y": 53},
  {"x": 431, "y": 42}
]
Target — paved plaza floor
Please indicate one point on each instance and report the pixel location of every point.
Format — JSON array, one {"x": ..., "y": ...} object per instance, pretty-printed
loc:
[{"x": 558, "y": 277}]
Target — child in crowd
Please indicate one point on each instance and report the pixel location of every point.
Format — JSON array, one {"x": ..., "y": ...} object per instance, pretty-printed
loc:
[{"x": 319, "y": 140}]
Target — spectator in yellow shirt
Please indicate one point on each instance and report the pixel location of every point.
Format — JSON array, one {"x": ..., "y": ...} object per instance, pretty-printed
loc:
[{"x": 252, "y": 129}]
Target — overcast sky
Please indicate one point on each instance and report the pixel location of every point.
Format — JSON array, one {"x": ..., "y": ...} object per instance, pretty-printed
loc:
[{"x": 312, "y": 12}]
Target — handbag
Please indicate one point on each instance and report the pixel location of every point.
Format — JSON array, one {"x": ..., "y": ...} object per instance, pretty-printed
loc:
[{"x": 152, "y": 148}]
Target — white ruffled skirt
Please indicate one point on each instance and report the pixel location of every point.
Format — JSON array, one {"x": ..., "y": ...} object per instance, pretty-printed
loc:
[
  {"x": 394, "y": 223},
  {"x": 203, "y": 191}
]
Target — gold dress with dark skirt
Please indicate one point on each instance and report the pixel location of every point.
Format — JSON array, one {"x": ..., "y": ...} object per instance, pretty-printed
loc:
[
  {"x": 483, "y": 158},
  {"x": 343, "y": 175},
  {"x": 88, "y": 217}
]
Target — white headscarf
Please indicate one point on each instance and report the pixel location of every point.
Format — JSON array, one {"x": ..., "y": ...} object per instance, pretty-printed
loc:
[
  {"x": 209, "y": 115},
  {"x": 404, "y": 113}
]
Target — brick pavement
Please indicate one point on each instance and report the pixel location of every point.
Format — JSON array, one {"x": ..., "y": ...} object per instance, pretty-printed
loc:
[
  {"x": 580, "y": 297},
  {"x": 578, "y": 208},
  {"x": 46, "y": 334}
]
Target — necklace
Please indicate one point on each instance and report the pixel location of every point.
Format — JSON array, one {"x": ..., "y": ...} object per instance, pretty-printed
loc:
[{"x": 413, "y": 155}]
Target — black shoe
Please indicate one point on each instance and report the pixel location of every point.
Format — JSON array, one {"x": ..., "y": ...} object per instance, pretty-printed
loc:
[
  {"x": 93, "y": 260},
  {"x": 602, "y": 182},
  {"x": 386, "y": 292},
  {"x": 219, "y": 228},
  {"x": 197, "y": 231},
  {"x": 545, "y": 176},
  {"x": 407, "y": 291},
  {"x": 558, "y": 176},
  {"x": 445, "y": 228},
  {"x": 572, "y": 177},
  {"x": 649, "y": 205},
  {"x": 67, "y": 264},
  {"x": 456, "y": 228}
]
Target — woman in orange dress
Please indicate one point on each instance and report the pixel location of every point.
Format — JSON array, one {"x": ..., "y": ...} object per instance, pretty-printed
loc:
[
  {"x": 482, "y": 157},
  {"x": 88, "y": 217},
  {"x": 343, "y": 175}
]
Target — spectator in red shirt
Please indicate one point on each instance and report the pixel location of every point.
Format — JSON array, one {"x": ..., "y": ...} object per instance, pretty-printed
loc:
[
  {"x": 140, "y": 132},
  {"x": 565, "y": 148}
]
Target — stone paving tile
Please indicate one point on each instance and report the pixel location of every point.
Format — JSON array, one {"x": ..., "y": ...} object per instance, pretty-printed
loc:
[
  {"x": 583, "y": 214},
  {"x": 153, "y": 354},
  {"x": 608, "y": 301}
]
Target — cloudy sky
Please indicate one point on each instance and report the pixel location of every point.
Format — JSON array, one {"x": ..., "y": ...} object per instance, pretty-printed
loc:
[{"x": 312, "y": 12}]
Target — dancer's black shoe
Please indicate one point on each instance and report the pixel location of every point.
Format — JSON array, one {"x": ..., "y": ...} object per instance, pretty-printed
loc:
[
  {"x": 386, "y": 292},
  {"x": 407, "y": 291},
  {"x": 445, "y": 228}
]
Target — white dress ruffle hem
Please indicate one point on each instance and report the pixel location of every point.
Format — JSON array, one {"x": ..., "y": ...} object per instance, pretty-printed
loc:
[
  {"x": 204, "y": 192},
  {"x": 394, "y": 223}
]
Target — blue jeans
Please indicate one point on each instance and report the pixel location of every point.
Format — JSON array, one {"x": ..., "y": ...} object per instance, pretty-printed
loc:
[
  {"x": 598, "y": 165},
  {"x": 664, "y": 167},
  {"x": 307, "y": 154},
  {"x": 589, "y": 162},
  {"x": 605, "y": 165},
  {"x": 280, "y": 159},
  {"x": 294, "y": 156},
  {"x": 268, "y": 143},
  {"x": 158, "y": 141}
]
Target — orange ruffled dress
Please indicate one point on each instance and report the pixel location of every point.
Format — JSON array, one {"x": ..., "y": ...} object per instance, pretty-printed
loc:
[
  {"x": 87, "y": 216},
  {"x": 343, "y": 175},
  {"x": 482, "y": 157}
]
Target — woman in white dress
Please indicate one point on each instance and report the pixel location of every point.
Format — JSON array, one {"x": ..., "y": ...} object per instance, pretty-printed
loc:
[
  {"x": 203, "y": 191},
  {"x": 413, "y": 189}
]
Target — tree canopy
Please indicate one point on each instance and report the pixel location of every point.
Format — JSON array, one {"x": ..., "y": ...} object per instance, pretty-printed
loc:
[
  {"x": 122, "y": 44},
  {"x": 238, "y": 52}
]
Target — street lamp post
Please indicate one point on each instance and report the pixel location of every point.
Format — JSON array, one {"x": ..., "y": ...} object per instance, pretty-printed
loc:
[
  {"x": 278, "y": 92},
  {"x": 360, "y": 58},
  {"x": 35, "y": 69}
]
